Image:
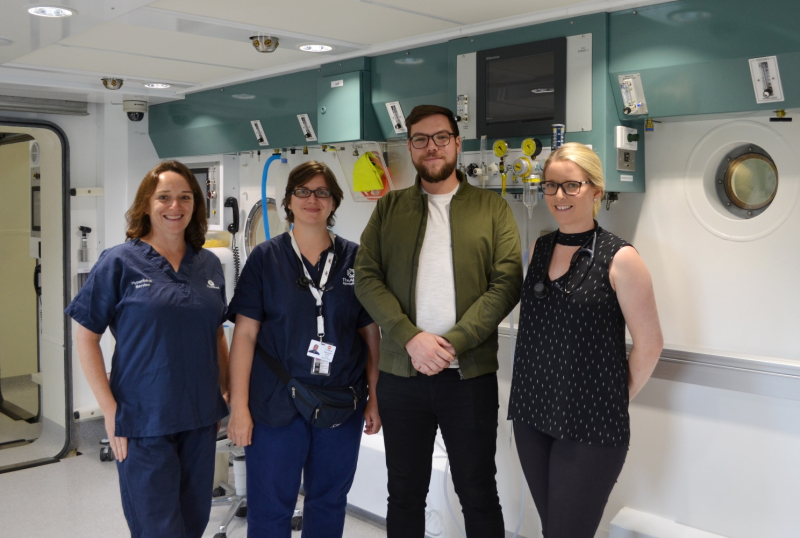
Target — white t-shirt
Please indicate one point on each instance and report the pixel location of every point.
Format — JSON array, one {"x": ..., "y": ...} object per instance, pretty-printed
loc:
[{"x": 436, "y": 287}]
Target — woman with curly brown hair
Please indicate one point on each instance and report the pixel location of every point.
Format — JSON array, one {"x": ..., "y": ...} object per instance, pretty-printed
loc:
[{"x": 163, "y": 297}]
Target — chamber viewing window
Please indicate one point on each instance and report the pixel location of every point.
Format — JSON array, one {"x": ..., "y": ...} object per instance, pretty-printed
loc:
[{"x": 747, "y": 181}]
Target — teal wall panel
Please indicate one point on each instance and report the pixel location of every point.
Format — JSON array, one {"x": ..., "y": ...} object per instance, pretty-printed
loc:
[
  {"x": 414, "y": 77},
  {"x": 693, "y": 54},
  {"x": 362, "y": 63},
  {"x": 214, "y": 121}
]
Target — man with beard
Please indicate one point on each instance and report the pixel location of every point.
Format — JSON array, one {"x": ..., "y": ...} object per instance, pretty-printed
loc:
[{"x": 438, "y": 269}]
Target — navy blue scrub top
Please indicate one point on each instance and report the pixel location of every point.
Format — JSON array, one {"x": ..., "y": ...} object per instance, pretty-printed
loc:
[
  {"x": 267, "y": 292},
  {"x": 165, "y": 369}
]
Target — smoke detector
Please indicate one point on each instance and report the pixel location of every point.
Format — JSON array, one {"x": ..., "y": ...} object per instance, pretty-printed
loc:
[{"x": 264, "y": 43}]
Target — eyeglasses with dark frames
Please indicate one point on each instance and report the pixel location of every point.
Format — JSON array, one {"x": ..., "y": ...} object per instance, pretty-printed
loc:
[
  {"x": 570, "y": 188},
  {"x": 441, "y": 139},
  {"x": 319, "y": 193}
]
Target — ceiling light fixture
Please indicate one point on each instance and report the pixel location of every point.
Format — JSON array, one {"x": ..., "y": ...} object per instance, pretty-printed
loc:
[
  {"x": 112, "y": 83},
  {"x": 157, "y": 85},
  {"x": 315, "y": 47},
  {"x": 51, "y": 11},
  {"x": 264, "y": 43},
  {"x": 243, "y": 96},
  {"x": 4, "y": 42}
]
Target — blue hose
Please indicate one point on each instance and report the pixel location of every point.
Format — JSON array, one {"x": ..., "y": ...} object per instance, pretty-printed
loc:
[{"x": 264, "y": 219}]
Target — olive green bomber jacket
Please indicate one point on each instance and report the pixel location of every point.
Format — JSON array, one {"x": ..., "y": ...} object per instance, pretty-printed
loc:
[{"x": 487, "y": 268}]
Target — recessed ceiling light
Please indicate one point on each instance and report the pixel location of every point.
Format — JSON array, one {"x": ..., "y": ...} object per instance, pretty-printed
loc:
[
  {"x": 157, "y": 85},
  {"x": 315, "y": 47},
  {"x": 243, "y": 96},
  {"x": 4, "y": 41},
  {"x": 51, "y": 11}
]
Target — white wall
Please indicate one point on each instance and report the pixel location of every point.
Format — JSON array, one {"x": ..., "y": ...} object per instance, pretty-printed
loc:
[{"x": 719, "y": 460}]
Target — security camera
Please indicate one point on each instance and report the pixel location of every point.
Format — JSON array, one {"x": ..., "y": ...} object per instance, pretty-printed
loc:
[
  {"x": 135, "y": 109},
  {"x": 264, "y": 43}
]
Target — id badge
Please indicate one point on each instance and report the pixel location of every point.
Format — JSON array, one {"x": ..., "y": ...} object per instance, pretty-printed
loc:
[
  {"x": 322, "y": 355},
  {"x": 320, "y": 367}
]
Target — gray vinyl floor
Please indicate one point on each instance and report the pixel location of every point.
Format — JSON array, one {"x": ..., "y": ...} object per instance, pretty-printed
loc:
[{"x": 79, "y": 497}]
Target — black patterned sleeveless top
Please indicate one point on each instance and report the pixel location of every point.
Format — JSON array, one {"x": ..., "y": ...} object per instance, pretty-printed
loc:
[{"x": 570, "y": 364}]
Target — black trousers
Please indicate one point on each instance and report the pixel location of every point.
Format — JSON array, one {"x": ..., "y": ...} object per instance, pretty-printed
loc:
[
  {"x": 466, "y": 411},
  {"x": 570, "y": 482}
]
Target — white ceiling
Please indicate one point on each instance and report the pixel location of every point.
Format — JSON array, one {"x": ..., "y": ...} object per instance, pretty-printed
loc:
[{"x": 199, "y": 44}]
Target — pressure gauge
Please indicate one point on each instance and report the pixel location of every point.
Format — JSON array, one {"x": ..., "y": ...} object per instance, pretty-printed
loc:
[
  {"x": 500, "y": 148},
  {"x": 531, "y": 147}
]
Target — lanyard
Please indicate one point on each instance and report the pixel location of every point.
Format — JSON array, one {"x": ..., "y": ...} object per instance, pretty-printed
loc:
[{"x": 315, "y": 290}]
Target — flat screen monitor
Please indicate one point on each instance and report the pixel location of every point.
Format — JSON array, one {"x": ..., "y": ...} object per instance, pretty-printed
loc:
[{"x": 522, "y": 89}]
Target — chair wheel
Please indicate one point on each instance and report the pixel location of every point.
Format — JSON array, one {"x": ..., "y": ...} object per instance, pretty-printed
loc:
[
  {"x": 241, "y": 512},
  {"x": 297, "y": 523},
  {"x": 218, "y": 492},
  {"x": 106, "y": 454}
]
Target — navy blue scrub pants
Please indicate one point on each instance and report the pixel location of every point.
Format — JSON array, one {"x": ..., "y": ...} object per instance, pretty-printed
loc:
[
  {"x": 166, "y": 483},
  {"x": 326, "y": 458},
  {"x": 465, "y": 410}
]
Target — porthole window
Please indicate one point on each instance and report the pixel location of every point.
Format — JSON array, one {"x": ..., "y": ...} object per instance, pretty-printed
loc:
[{"x": 747, "y": 181}]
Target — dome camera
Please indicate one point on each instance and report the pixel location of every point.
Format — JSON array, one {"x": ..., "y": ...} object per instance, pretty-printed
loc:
[
  {"x": 264, "y": 43},
  {"x": 134, "y": 109}
]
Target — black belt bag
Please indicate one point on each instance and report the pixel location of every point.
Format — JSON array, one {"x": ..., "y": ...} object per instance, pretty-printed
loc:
[{"x": 320, "y": 407}]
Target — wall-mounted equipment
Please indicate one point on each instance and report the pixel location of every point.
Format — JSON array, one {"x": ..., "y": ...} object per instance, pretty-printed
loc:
[
  {"x": 466, "y": 88},
  {"x": 522, "y": 89},
  {"x": 308, "y": 129},
  {"x": 344, "y": 108},
  {"x": 766, "y": 79},
  {"x": 627, "y": 142},
  {"x": 529, "y": 170},
  {"x": 571, "y": 82},
  {"x": 259, "y": 132},
  {"x": 397, "y": 117},
  {"x": 83, "y": 250},
  {"x": 218, "y": 177},
  {"x": 35, "y": 247},
  {"x": 633, "y": 101}
]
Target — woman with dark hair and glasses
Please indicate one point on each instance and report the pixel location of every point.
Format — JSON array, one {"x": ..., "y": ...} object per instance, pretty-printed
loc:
[
  {"x": 295, "y": 303},
  {"x": 163, "y": 297},
  {"x": 572, "y": 377}
]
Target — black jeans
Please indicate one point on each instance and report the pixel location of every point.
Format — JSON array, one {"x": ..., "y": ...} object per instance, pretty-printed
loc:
[
  {"x": 570, "y": 482},
  {"x": 466, "y": 411}
]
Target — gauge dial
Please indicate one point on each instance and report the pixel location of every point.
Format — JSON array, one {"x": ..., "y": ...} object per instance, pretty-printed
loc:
[
  {"x": 500, "y": 148},
  {"x": 531, "y": 147}
]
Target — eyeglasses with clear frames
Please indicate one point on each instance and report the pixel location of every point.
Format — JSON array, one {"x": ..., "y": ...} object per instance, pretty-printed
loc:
[
  {"x": 570, "y": 188},
  {"x": 441, "y": 139},
  {"x": 319, "y": 193}
]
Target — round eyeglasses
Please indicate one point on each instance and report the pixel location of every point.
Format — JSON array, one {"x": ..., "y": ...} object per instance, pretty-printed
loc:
[
  {"x": 305, "y": 193},
  {"x": 420, "y": 141},
  {"x": 570, "y": 188}
]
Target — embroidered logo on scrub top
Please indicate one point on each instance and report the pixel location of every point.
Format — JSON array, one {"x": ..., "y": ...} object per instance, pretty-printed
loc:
[
  {"x": 143, "y": 283},
  {"x": 350, "y": 279},
  {"x": 212, "y": 285}
]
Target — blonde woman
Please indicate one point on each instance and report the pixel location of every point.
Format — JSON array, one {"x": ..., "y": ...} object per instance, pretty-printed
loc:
[{"x": 572, "y": 377}]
